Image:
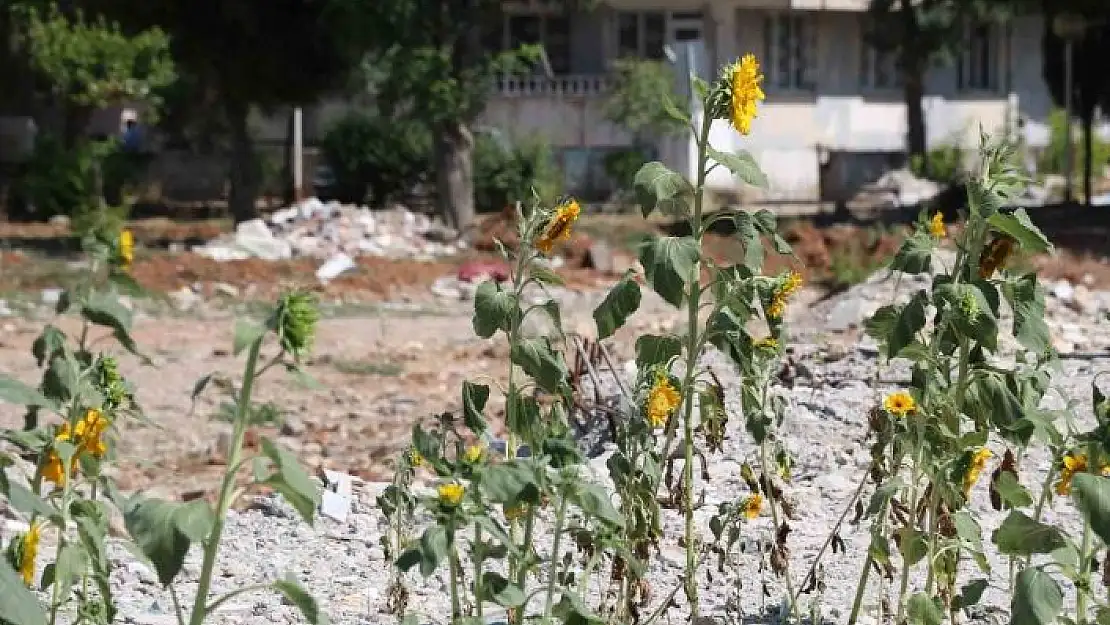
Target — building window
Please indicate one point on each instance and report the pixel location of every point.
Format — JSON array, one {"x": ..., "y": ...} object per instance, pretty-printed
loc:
[
  {"x": 790, "y": 50},
  {"x": 550, "y": 31},
  {"x": 978, "y": 62},
  {"x": 641, "y": 34},
  {"x": 878, "y": 69}
]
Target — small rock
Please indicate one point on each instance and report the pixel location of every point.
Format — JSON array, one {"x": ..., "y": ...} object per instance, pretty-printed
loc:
[
  {"x": 225, "y": 289},
  {"x": 335, "y": 506},
  {"x": 1063, "y": 291},
  {"x": 51, "y": 296},
  {"x": 292, "y": 426},
  {"x": 334, "y": 266},
  {"x": 849, "y": 313}
]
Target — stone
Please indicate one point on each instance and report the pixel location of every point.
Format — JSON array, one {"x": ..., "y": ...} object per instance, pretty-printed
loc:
[
  {"x": 227, "y": 290},
  {"x": 334, "y": 266},
  {"x": 849, "y": 313},
  {"x": 1063, "y": 291},
  {"x": 184, "y": 298},
  {"x": 50, "y": 296},
  {"x": 1083, "y": 301},
  {"x": 292, "y": 426},
  {"x": 4, "y": 310},
  {"x": 335, "y": 506}
]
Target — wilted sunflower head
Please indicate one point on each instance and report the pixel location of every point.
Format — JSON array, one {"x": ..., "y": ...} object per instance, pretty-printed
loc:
[
  {"x": 559, "y": 225},
  {"x": 295, "y": 322}
]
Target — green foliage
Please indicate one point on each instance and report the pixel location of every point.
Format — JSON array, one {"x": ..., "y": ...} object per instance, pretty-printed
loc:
[
  {"x": 61, "y": 180},
  {"x": 379, "y": 156},
  {"x": 1053, "y": 160},
  {"x": 644, "y": 100},
  {"x": 505, "y": 174},
  {"x": 944, "y": 164},
  {"x": 621, "y": 165}
]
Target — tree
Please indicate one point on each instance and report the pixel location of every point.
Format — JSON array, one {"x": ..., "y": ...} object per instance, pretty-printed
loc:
[
  {"x": 920, "y": 33},
  {"x": 1090, "y": 81},
  {"x": 250, "y": 55}
]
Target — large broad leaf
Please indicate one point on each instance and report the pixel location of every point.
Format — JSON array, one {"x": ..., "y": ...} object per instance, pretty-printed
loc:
[
  {"x": 298, "y": 596},
  {"x": 494, "y": 309},
  {"x": 619, "y": 304},
  {"x": 897, "y": 326},
  {"x": 245, "y": 334},
  {"x": 1021, "y": 227},
  {"x": 1026, "y": 298},
  {"x": 503, "y": 592},
  {"x": 164, "y": 530},
  {"x": 72, "y": 562},
  {"x": 1092, "y": 496},
  {"x": 50, "y": 342},
  {"x": 594, "y": 501},
  {"x": 474, "y": 398},
  {"x": 105, "y": 310},
  {"x": 541, "y": 362},
  {"x": 915, "y": 255},
  {"x": 291, "y": 480},
  {"x": 742, "y": 164},
  {"x": 668, "y": 265},
  {"x": 504, "y": 482},
  {"x": 19, "y": 605},
  {"x": 656, "y": 350},
  {"x": 657, "y": 187},
  {"x": 1037, "y": 598},
  {"x": 13, "y": 391},
  {"x": 925, "y": 610},
  {"x": 1020, "y": 535}
]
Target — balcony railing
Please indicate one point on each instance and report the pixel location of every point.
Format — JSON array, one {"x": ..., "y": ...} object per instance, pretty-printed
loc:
[{"x": 573, "y": 85}]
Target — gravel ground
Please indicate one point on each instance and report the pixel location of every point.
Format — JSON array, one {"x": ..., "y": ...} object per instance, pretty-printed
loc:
[{"x": 342, "y": 564}]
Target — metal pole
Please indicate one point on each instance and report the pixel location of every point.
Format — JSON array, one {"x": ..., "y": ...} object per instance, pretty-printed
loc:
[
  {"x": 1069, "y": 156},
  {"x": 298, "y": 155}
]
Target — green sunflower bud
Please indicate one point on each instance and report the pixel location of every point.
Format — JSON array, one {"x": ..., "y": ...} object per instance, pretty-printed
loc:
[{"x": 295, "y": 322}]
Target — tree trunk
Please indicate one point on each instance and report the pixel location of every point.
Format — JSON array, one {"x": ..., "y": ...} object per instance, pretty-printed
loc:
[
  {"x": 243, "y": 175},
  {"x": 454, "y": 147},
  {"x": 915, "y": 115},
  {"x": 1088, "y": 155}
]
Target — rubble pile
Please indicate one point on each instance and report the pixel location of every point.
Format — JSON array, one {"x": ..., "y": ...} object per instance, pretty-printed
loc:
[{"x": 331, "y": 230}]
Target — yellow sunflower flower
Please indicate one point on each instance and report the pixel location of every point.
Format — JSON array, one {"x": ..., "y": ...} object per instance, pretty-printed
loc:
[
  {"x": 558, "y": 229},
  {"x": 752, "y": 506},
  {"x": 52, "y": 469},
  {"x": 745, "y": 84},
  {"x": 29, "y": 552},
  {"x": 126, "y": 247},
  {"x": 975, "y": 468},
  {"x": 414, "y": 458},
  {"x": 451, "y": 494},
  {"x": 474, "y": 453},
  {"x": 900, "y": 404},
  {"x": 89, "y": 433},
  {"x": 1071, "y": 465},
  {"x": 662, "y": 400},
  {"x": 936, "y": 226},
  {"x": 767, "y": 343},
  {"x": 790, "y": 285}
]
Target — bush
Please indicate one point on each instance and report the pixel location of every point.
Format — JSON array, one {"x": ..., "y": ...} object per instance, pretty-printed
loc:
[
  {"x": 621, "y": 167},
  {"x": 377, "y": 157},
  {"x": 504, "y": 174},
  {"x": 1054, "y": 158},
  {"x": 946, "y": 164}
]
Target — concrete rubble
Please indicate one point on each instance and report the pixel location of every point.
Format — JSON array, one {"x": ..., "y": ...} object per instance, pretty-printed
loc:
[
  {"x": 337, "y": 233},
  {"x": 895, "y": 189}
]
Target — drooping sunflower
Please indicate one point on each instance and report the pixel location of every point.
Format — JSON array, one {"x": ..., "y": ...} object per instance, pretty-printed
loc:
[
  {"x": 29, "y": 551},
  {"x": 558, "y": 228},
  {"x": 976, "y": 464},
  {"x": 663, "y": 399},
  {"x": 752, "y": 506},
  {"x": 53, "y": 469},
  {"x": 995, "y": 254},
  {"x": 767, "y": 343},
  {"x": 745, "y": 92},
  {"x": 900, "y": 404},
  {"x": 1071, "y": 465},
  {"x": 789, "y": 285}
]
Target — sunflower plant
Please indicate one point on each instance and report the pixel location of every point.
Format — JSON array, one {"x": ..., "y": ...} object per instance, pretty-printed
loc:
[
  {"x": 723, "y": 302},
  {"x": 967, "y": 413}
]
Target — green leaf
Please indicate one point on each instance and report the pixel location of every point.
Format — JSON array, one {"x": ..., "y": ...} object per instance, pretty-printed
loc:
[
  {"x": 50, "y": 342},
  {"x": 883, "y": 495},
  {"x": 474, "y": 398},
  {"x": 1012, "y": 493},
  {"x": 656, "y": 350},
  {"x": 1021, "y": 227},
  {"x": 545, "y": 274},
  {"x": 1037, "y": 598},
  {"x": 13, "y": 391},
  {"x": 668, "y": 265},
  {"x": 246, "y": 333},
  {"x": 1092, "y": 496},
  {"x": 657, "y": 187},
  {"x": 970, "y": 594},
  {"x": 897, "y": 326},
  {"x": 619, "y": 304},
  {"x": 504, "y": 482},
  {"x": 105, "y": 310},
  {"x": 742, "y": 164},
  {"x": 924, "y": 610},
  {"x": 594, "y": 501},
  {"x": 1026, "y": 297},
  {"x": 71, "y": 564},
  {"x": 26, "y": 501},
  {"x": 20, "y": 606},
  {"x": 156, "y": 527},
  {"x": 433, "y": 549},
  {"x": 503, "y": 592},
  {"x": 915, "y": 255},
  {"x": 542, "y": 363},
  {"x": 298, "y": 596},
  {"x": 967, "y": 528},
  {"x": 292, "y": 481},
  {"x": 1020, "y": 535},
  {"x": 494, "y": 309},
  {"x": 913, "y": 545}
]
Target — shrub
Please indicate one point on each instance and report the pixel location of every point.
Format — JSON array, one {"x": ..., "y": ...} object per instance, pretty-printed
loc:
[
  {"x": 506, "y": 173},
  {"x": 621, "y": 166},
  {"x": 1053, "y": 159},
  {"x": 377, "y": 157},
  {"x": 945, "y": 164}
]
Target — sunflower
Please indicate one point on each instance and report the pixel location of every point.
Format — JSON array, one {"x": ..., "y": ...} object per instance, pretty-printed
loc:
[
  {"x": 936, "y": 226},
  {"x": 451, "y": 494},
  {"x": 994, "y": 255},
  {"x": 29, "y": 551},
  {"x": 975, "y": 468},
  {"x": 790, "y": 284},
  {"x": 745, "y": 86},
  {"x": 558, "y": 229},
  {"x": 900, "y": 404},
  {"x": 414, "y": 457},
  {"x": 662, "y": 400},
  {"x": 126, "y": 248},
  {"x": 474, "y": 453},
  {"x": 1070, "y": 466},
  {"x": 767, "y": 343},
  {"x": 752, "y": 506},
  {"x": 89, "y": 433}
]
